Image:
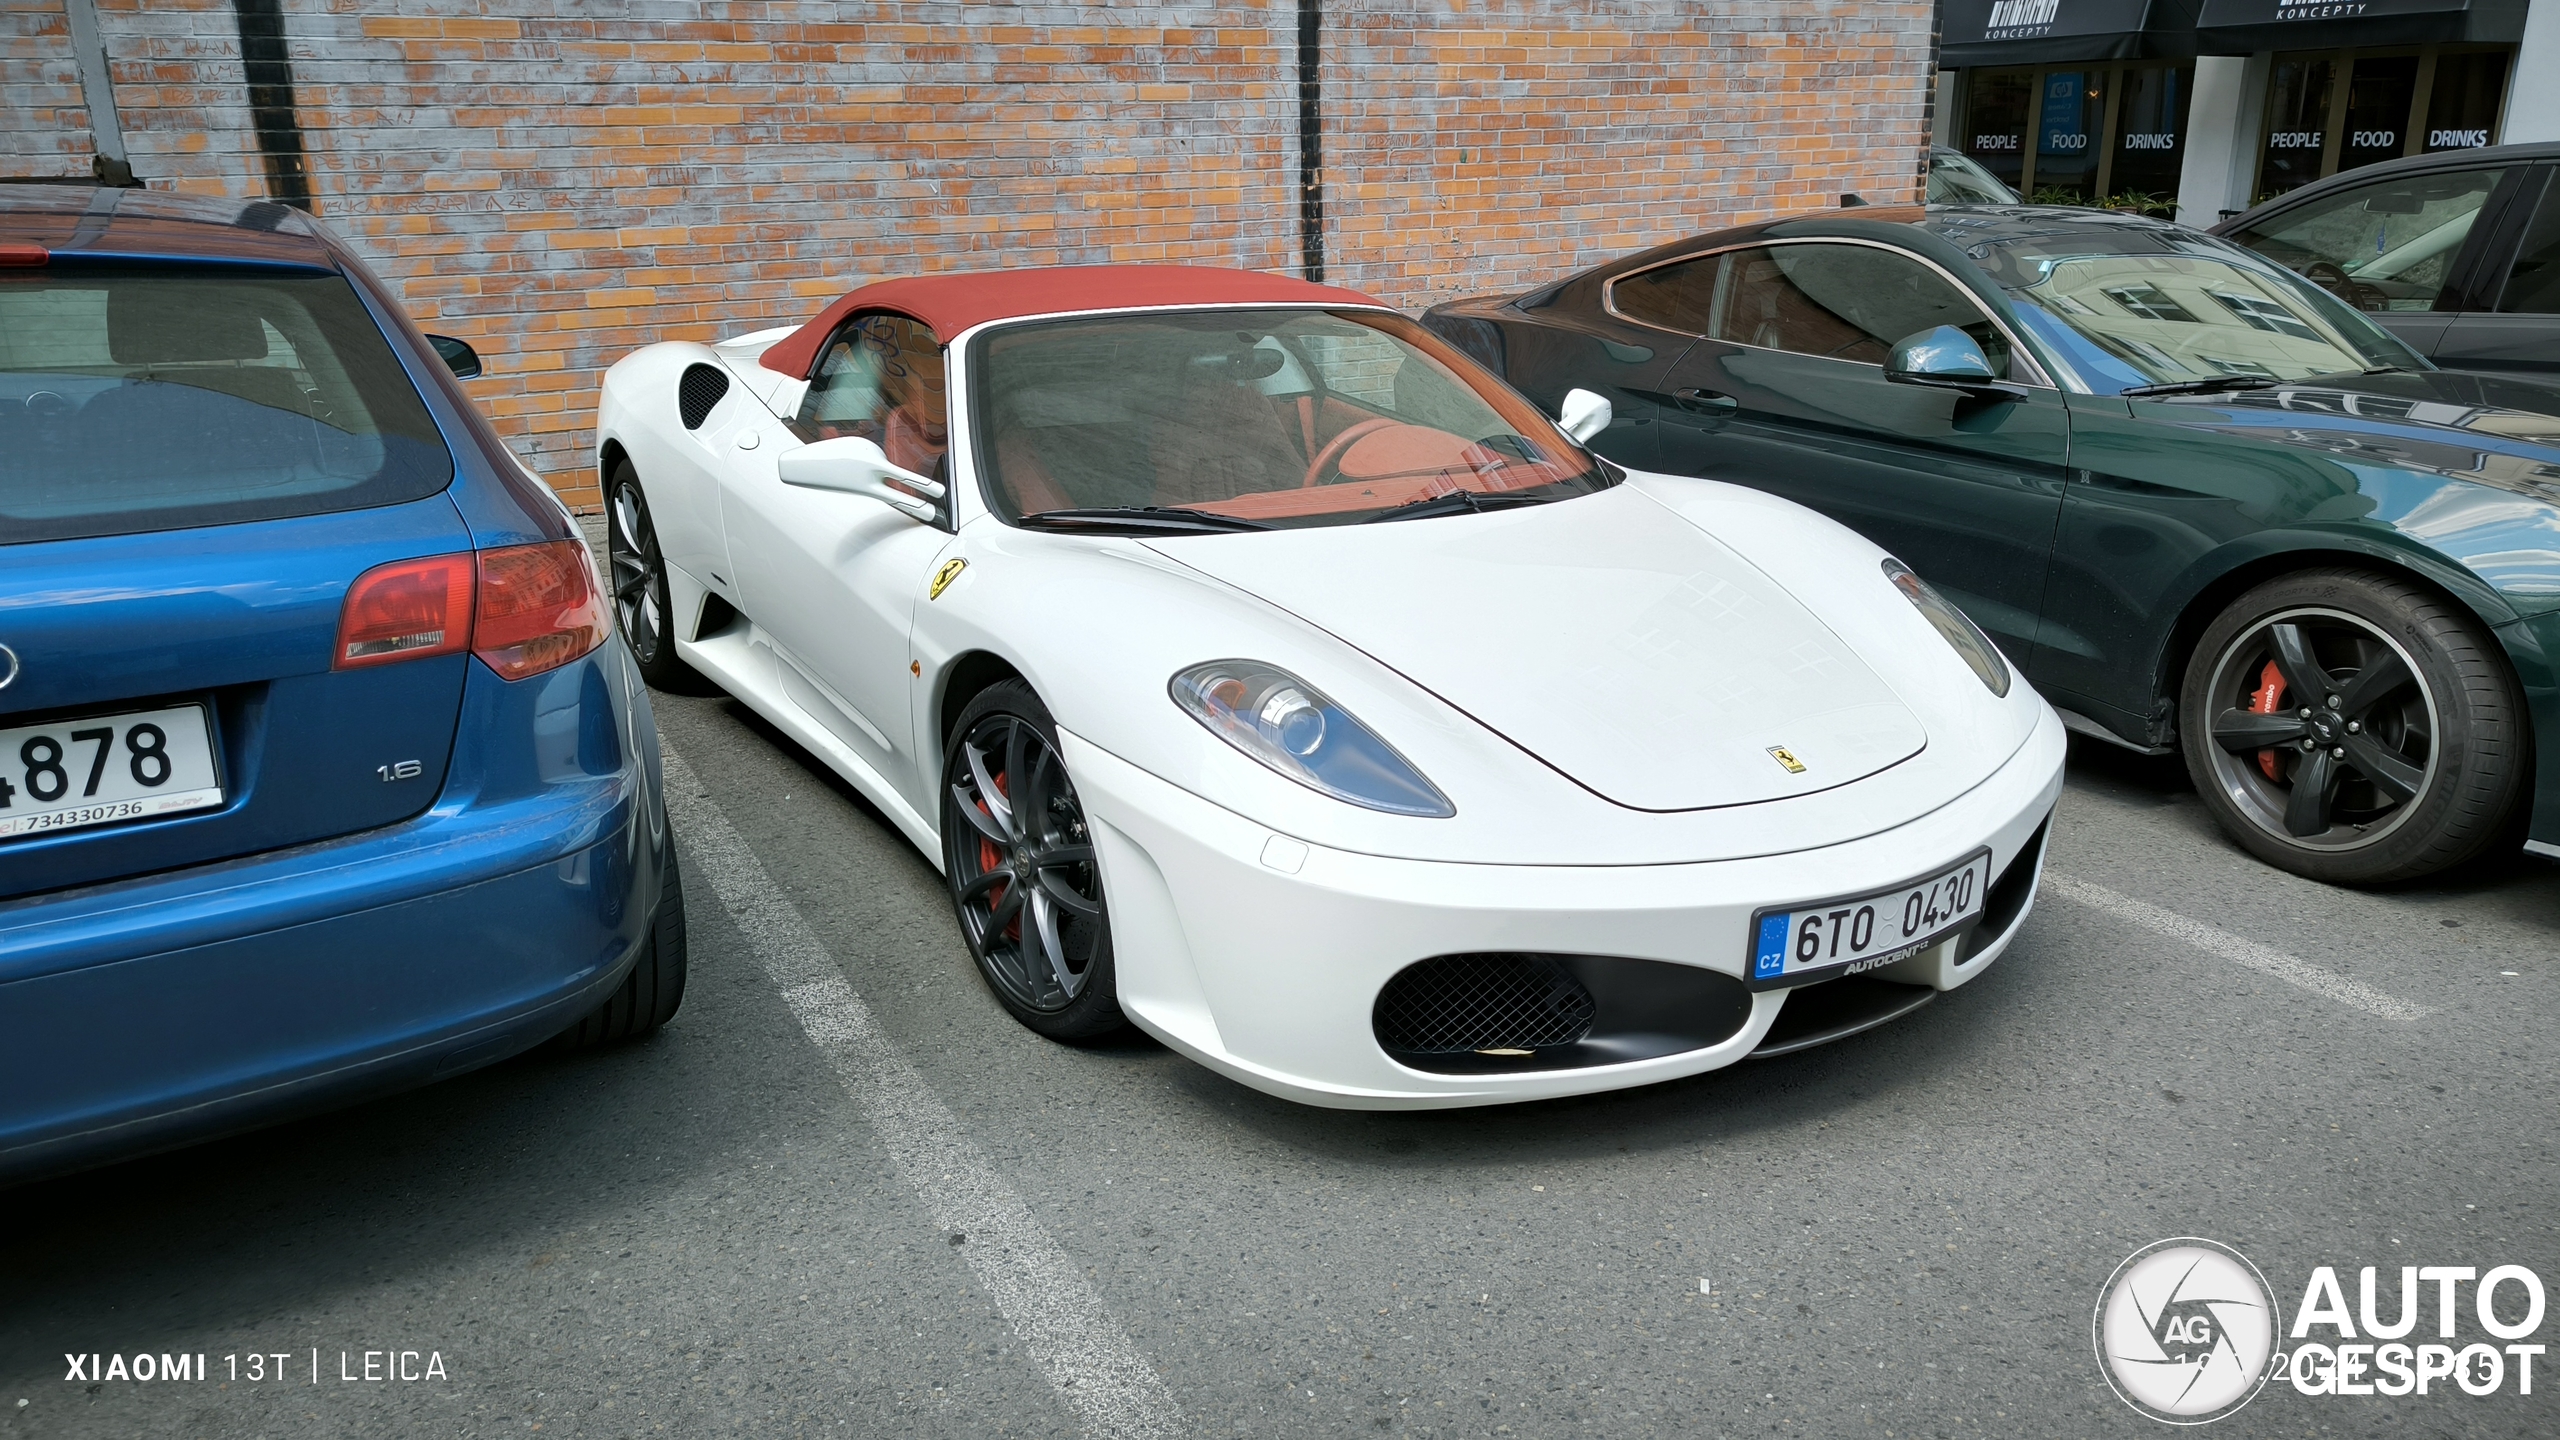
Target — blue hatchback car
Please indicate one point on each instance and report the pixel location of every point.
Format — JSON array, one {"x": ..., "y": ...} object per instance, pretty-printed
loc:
[{"x": 322, "y": 769}]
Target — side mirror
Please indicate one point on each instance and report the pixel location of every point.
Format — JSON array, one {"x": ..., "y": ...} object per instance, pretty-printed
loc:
[
  {"x": 1583, "y": 415},
  {"x": 459, "y": 358},
  {"x": 1946, "y": 358},
  {"x": 858, "y": 467}
]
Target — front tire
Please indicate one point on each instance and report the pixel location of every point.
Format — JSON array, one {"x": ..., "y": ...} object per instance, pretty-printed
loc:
[
  {"x": 1019, "y": 861},
  {"x": 640, "y": 602},
  {"x": 2353, "y": 728}
]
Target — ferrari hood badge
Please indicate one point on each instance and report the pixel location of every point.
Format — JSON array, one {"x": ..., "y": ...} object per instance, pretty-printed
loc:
[
  {"x": 1786, "y": 757},
  {"x": 943, "y": 577}
]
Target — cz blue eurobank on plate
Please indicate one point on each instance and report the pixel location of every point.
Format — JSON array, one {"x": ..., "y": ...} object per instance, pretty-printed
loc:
[{"x": 1805, "y": 943}]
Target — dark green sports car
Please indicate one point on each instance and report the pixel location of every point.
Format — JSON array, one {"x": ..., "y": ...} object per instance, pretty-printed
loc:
[{"x": 2202, "y": 503}]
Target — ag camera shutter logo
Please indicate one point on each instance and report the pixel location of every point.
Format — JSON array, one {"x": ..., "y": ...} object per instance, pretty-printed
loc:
[{"x": 2186, "y": 1330}]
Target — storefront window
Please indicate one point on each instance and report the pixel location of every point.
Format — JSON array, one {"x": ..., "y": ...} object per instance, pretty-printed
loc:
[
  {"x": 1995, "y": 132},
  {"x": 2462, "y": 107},
  {"x": 2089, "y": 135},
  {"x": 2298, "y": 96},
  {"x": 2396, "y": 103},
  {"x": 2069, "y": 119},
  {"x": 2151, "y": 125},
  {"x": 2378, "y": 101}
]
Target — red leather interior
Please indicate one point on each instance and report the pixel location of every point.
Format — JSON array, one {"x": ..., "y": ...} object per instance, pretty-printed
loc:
[
  {"x": 1330, "y": 499},
  {"x": 1223, "y": 440},
  {"x": 1027, "y": 482},
  {"x": 1225, "y": 447},
  {"x": 910, "y": 444},
  {"x": 1408, "y": 450}
]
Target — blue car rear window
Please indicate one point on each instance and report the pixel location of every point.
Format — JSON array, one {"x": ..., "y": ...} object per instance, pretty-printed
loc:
[{"x": 136, "y": 399}]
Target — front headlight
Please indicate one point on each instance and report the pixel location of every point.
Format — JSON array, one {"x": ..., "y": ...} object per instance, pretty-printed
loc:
[
  {"x": 1290, "y": 726},
  {"x": 1954, "y": 624}
]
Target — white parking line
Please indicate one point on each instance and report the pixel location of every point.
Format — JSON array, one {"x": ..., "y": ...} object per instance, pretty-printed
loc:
[
  {"x": 2261, "y": 958},
  {"x": 1058, "y": 1314}
]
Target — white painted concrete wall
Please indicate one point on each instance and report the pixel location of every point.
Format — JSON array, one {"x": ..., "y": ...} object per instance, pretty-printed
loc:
[
  {"x": 2222, "y": 135},
  {"x": 2533, "y": 96}
]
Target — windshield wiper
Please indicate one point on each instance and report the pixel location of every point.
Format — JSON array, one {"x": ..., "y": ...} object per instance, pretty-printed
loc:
[
  {"x": 1138, "y": 520},
  {"x": 1456, "y": 502},
  {"x": 2211, "y": 386}
]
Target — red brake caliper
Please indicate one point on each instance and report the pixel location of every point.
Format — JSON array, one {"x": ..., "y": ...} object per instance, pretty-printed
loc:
[
  {"x": 990, "y": 858},
  {"x": 2267, "y": 700}
]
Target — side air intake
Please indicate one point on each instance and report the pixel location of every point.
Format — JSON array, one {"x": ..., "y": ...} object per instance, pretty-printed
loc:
[
  {"x": 1491, "y": 1012},
  {"x": 1460, "y": 1003},
  {"x": 698, "y": 391}
]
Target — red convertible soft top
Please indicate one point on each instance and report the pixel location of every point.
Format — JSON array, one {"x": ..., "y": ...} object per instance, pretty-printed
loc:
[{"x": 953, "y": 303}]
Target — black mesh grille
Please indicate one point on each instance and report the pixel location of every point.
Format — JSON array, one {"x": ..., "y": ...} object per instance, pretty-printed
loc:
[
  {"x": 1460, "y": 1003},
  {"x": 699, "y": 390}
]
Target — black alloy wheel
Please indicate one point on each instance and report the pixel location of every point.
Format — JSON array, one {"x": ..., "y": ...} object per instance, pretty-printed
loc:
[
  {"x": 640, "y": 604},
  {"x": 1021, "y": 867},
  {"x": 2353, "y": 728}
]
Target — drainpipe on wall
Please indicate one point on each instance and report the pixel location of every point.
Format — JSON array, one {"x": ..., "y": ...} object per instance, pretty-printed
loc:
[
  {"x": 1311, "y": 138},
  {"x": 98, "y": 91},
  {"x": 269, "y": 72}
]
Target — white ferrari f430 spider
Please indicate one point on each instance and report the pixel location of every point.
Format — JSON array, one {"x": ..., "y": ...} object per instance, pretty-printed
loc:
[{"x": 1258, "y": 669}]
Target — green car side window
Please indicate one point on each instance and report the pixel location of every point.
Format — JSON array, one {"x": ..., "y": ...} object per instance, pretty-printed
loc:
[
  {"x": 1679, "y": 296},
  {"x": 1844, "y": 302}
]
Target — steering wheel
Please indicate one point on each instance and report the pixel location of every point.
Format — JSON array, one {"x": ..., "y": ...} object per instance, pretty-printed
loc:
[
  {"x": 2346, "y": 287},
  {"x": 1331, "y": 455}
]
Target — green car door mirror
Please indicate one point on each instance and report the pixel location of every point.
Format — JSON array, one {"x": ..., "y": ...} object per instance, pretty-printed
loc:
[{"x": 1946, "y": 358}]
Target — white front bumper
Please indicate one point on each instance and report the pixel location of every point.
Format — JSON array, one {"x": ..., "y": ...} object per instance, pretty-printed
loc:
[{"x": 1267, "y": 970}]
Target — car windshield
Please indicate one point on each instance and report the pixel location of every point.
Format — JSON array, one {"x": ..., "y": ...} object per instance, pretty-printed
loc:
[
  {"x": 136, "y": 399},
  {"x": 1276, "y": 417},
  {"x": 2153, "y": 309},
  {"x": 1955, "y": 180}
]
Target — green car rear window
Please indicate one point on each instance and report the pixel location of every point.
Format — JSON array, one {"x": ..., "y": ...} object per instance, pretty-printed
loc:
[{"x": 168, "y": 398}]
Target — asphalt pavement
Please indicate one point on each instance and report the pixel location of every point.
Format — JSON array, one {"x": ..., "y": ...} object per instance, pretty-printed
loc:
[{"x": 843, "y": 1193}]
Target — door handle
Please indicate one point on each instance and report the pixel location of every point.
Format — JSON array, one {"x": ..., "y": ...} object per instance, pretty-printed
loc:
[{"x": 1705, "y": 402}]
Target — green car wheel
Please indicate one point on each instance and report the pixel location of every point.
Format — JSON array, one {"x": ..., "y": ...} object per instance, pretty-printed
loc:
[{"x": 2353, "y": 728}]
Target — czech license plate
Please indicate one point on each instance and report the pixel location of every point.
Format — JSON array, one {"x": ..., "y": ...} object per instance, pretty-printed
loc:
[
  {"x": 1805, "y": 943},
  {"x": 98, "y": 769}
]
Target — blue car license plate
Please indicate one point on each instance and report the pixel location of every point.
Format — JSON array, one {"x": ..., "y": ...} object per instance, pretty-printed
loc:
[{"x": 99, "y": 769}]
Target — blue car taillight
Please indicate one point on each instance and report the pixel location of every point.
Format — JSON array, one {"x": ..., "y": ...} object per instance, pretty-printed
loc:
[
  {"x": 523, "y": 609},
  {"x": 406, "y": 610}
]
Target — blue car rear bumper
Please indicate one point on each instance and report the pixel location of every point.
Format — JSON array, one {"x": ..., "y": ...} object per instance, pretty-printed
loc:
[{"x": 157, "y": 1010}]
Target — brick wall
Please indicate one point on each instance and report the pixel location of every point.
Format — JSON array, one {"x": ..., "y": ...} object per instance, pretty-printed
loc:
[
  {"x": 44, "y": 127},
  {"x": 560, "y": 182}
]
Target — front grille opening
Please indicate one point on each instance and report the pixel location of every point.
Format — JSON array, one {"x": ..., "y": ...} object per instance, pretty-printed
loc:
[
  {"x": 1465, "y": 1004},
  {"x": 2008, "y": 896},
  {"x": 1504, "y": 1012},
  {"x": 698, "y": 390}
]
